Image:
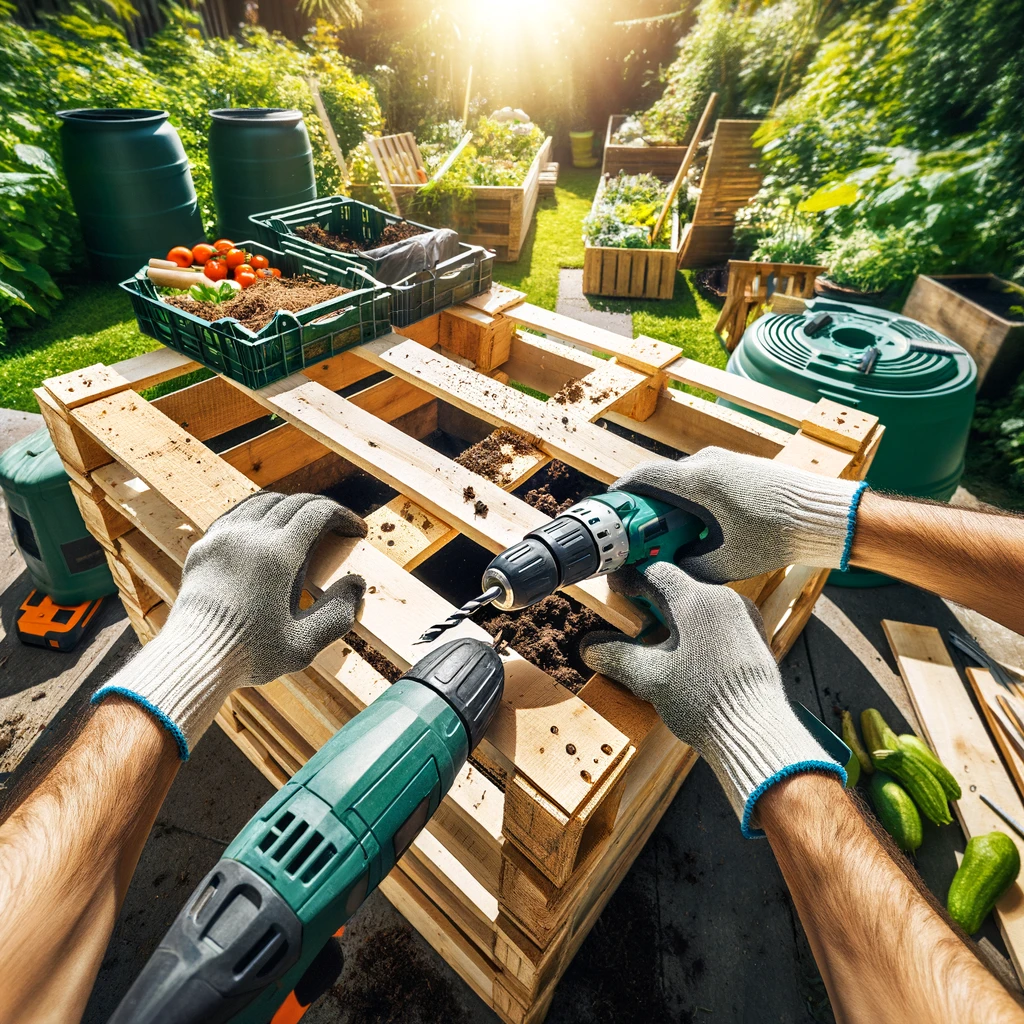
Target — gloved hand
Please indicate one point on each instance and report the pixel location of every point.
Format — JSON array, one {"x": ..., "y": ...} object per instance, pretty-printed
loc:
[
  {"x": 761, "y": 515},
  {"x": 236, "y": 621},
  {"x": 714, "y": 683}
]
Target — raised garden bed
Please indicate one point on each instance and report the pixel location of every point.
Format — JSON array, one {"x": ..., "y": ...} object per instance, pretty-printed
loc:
[
  {"x": 638, "y": 273},
  {"x": 497, "y": 217},
  {"x": 342, "y": 232},
  {"x": 288, "y": 341},
  {"x": 661, "y": 161},
  {"x": 976, "y": 311},
  {"x": 525, "y": 851}
]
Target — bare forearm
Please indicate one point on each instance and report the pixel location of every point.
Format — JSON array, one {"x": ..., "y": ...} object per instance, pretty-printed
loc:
[
  {"x": 973, "y": 558},
  {"x": 67, "y": 855},
  {"x": 884, "y": 953}
]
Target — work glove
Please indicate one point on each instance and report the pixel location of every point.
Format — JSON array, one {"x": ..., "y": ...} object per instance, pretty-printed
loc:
[
  {"x": 760, "y": 515},
  {"x": 237, "y": 621},
  {"x": 714, "y": 683}
]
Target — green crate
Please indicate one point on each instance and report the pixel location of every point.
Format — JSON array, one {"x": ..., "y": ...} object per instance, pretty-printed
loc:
[
  {"x": 290, "y": 342},
  {"x": 420, "y": 295}
]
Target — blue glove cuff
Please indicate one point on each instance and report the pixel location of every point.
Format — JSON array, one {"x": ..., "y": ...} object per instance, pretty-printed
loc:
[
  {"x": 851, "y": 522},
  {"x": 788, "y": 772},
  {"x": 160, "y": 716}
]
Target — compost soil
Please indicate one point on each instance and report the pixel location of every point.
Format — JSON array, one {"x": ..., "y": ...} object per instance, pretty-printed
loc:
[
  {"x": 713, "y": 282},
  {"x": 548, "y": 635},
  {"x": 391, "y": 672},
  {"x": 392, "y": 233},
  {"x": 255, "y": 306},
  {"x": 391, "y": 981},
  {"x": 492, "y": 457},
  {"x": 1003, "y": 300},
  {"x": 556, "y": 488}
]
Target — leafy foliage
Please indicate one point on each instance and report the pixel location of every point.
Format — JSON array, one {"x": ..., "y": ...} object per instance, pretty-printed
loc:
[
  {"x": 998, "y": 444},
  {"x": 874, "y": 261},
  {"x": 625, "y": 212},
  {"x": 82, "y": 59}
]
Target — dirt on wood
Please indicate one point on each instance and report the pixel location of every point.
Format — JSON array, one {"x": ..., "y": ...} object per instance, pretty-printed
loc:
[
  {"x": 571, "y": 392},
  {"x": 255, "y": 306},
  {"x": 392, "y": 233},
  {"x": 390, "y": 671},
  {"x": 492, "y": 457},
  {"x": 392, "y": 981},
  {"x": 548, "y": 635},
  {"x": 556, "y": 488}
]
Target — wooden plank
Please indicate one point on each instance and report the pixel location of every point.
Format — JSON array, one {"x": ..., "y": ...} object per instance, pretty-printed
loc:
[
  {"x": 496, "y": 299},
  {"x": 644, "y": 354},
  {"x": 588, "y": 448},
  {"x": 1000, "y": 725},
  {"x": 407, "y": 533},
  {"x": 151, "y": 564},
  {"x": 954, "y": 730},
  {"x": 152, "y": 368},
  {"x": 839, "y": 425},
  {"x": 70, "y": 390}
]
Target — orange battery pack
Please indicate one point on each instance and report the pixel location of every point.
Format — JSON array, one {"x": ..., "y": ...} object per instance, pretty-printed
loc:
[{"x": 44, "y": 623}]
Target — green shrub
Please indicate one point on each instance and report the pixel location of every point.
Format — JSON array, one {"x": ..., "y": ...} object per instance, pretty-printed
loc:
[
  {"x": 772, "y": 227},
  {"x": 871, "y": 261},
  {"x": 997, "y": 448},
  {"x": 626, "y": 212}
]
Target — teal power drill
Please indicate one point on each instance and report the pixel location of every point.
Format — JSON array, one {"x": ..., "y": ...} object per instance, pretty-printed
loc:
[
  {"x": 595, "y": 536},
  {"x": 249, "y": 938}
]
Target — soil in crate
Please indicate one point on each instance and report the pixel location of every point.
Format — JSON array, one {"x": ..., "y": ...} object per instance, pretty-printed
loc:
[
  {"x": 392, "y": 233},
  {"x": 1004, "y": 301},
  {"x": 256, "y": 306}
]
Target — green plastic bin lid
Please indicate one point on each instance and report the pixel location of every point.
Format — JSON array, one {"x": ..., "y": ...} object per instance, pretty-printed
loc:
[
  {"x": 32, "y": 464},
  {"x": 835, "y": 355}
]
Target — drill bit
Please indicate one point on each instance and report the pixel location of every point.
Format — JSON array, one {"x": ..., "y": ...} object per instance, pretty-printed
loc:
[{"x": 469, "y": 608}]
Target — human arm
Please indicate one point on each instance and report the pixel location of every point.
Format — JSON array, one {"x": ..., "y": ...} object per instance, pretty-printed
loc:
[
  {"x": 67, "y": 853},
  {"x": 885, "y": 954},
  {"x": 763, "y": 515},
  {"x": 969, "y": 556},
  {"x": 717, "y": 687}
]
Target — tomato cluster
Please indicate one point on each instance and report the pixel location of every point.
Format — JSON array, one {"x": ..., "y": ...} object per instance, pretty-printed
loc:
[{"x": 224, "y": 258}]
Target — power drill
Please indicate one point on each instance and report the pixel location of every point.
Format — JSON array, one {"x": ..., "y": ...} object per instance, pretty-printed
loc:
[
  {"x": 595, "y": 536},
  {"x": 247, "y": 942}
]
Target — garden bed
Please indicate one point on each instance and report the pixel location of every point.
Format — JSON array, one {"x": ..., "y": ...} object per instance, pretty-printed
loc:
[{"x": 661, "y": 161}]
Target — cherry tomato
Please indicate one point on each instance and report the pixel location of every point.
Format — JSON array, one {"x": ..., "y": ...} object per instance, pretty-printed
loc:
[
  {"x": 202, "y": 252},
  {"x": 223, "y": 244},
  {"x": 264, "y": 272},
  {"x": 275, "y": 271},
  {"x": 215, "y": 270},
  {"x": 182, "y": 255},
  {"x": 235, "y": 257},
  {"x": 245, "y": 277},
  {"x": 258, "y": 262}
]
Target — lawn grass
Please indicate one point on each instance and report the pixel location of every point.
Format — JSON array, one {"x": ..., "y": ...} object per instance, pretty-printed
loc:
[{"x": 94, "y": 324}]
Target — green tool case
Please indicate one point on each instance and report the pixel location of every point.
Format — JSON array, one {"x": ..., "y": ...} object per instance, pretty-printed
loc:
[{"x": 64, "y": 560}]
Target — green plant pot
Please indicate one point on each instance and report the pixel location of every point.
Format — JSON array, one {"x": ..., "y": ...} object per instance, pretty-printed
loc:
[{"x": 583, "y": 149}]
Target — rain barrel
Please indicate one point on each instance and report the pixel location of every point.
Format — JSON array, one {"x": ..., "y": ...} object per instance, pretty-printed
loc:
[
  {"x": 260, "y": 159},
  {"x": 131, "y": 186},
  {"x": 63, "y": 558},
  {"x": 919, "y": 383}
]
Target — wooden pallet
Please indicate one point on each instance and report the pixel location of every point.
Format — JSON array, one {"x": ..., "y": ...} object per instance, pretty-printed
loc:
[
  {"x": 631, "y": 273},
  {"x": 499, "y": 216},
  {"x": 564, "y": 790},
  {"x": 731, "y": 177},
  {"x": 661, "y": 161}
]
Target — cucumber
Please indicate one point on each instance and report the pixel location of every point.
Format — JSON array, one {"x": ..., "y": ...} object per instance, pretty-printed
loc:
[
  {"x": 877, "y": 734},
  {"x": 991, "y": 864},
  {"x": 915, "y": 745},
  {"x": 852, "y": 740},
  {"x": 919, "y": 782},
  {"x": 896, "y": 812}
]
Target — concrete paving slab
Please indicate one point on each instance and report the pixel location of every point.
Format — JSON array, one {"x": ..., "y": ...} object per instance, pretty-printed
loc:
[{"x": 572, "y": 302}]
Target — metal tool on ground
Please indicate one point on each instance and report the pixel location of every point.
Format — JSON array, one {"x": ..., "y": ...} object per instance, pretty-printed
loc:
[
  {"x": 967, "y": 645},
  {"x": 595, "y": 536},
  {"x": 245, "y": 947},
  {"x": 1008, "y": 818}
]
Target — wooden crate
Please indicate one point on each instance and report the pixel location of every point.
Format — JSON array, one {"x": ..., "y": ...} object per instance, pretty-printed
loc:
[
  {"x": 731, "y": 177},
  {"x": 662, "y": 161},
  {"x": 996, "y": 344},
  {"x": 631, "y": 273},
  {"x": 499, "y": 215},
  {"x": 564, "y": 790}
]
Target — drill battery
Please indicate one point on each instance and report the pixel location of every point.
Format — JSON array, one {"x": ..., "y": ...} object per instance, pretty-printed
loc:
[{"x": 44, "y": 623}]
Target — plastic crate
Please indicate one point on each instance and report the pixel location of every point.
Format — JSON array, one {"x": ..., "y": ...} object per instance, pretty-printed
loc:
[
  {"x": 420, "y": 295},
  {"x": 290, "y": 342}
]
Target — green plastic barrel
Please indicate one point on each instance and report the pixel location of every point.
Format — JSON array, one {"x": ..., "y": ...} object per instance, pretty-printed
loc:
[
  {"x": 919, "y": 383},
  {"x": 63, "y": 558},
  {"x": 260, "y": 159},
  {"x": 131, "y": 186}
]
